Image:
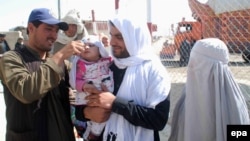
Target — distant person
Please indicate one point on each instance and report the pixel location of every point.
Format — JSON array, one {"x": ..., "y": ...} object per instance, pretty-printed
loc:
[
  {"x": 76, "y": 30},
  {"x": 36, "y": 85},
  {"x": 166, "y": 43},
  {"x": 91, "y": 67},
  {"x": 193, "y": 41},
  {"x": 211, "y": 99},
  {"x": 185, "y": 49},
  {"x": 19, "y": 43},
  {"x": 4, "y": 46},
  {"x": 106, "y": 41}
]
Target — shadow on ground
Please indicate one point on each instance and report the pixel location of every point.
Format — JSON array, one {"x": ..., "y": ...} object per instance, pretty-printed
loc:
[{"x": 176, "y": 91}]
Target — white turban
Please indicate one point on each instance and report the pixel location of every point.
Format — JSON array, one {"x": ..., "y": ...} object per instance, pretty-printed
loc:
[{"x": 72, "y": 17}]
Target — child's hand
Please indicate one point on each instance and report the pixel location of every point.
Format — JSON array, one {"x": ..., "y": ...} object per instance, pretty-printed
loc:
[
  {"x": 72, "y": 96},
  {"x": 89, "y": 88}
]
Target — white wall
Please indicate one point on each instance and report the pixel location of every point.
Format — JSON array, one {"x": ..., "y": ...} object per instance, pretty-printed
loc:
[{"x": 11, "y": 37}]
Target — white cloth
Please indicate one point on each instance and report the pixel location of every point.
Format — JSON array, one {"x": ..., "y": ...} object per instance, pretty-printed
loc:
[
  {"x": 79, "y": 96},
  {"x": 97, "y": 42},
  {"x": 63, "y": 38},
  {"x": 72, "y": 17},
  {"x": 140, "y": 83},
  {"x": 95, "y": 72},
  {"x": 103, "y": 52},
  {"x": 212, "y": 99}
]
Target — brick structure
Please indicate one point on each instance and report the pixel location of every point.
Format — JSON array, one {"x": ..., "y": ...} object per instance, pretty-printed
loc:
[
  {"x": 231, "y": 27},
  {"x": 101, "y": 26}
]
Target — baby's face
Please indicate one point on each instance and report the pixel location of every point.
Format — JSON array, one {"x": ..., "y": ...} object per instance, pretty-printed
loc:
[{"x": 91, "y": 52}]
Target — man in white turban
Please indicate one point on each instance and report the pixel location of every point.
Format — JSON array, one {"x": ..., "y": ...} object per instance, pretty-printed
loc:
[{"x": 139, "y": 105}]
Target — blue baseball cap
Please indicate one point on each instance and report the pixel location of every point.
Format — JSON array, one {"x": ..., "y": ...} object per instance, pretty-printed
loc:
[{"x": 46, "y": 16}]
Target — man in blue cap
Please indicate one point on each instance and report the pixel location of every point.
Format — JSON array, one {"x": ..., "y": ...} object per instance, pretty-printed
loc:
[{"x": 36, "y": 87}]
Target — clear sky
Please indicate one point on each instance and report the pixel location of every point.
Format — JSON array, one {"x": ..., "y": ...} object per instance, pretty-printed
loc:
[{"x": 163, "y": 12}]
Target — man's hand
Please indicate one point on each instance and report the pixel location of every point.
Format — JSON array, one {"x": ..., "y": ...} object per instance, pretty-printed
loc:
[
  {"x": 99, "y": 98},
  {"x": 72, "y": 48},
  {"x": 89, "y": 88},
  {"x": 72, "y": 96},
  {"x": 103, "y": 99},
  {"x": 96, "y": 114}
]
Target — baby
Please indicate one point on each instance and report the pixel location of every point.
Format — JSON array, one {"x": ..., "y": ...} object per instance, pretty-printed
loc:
[{"x": 91, "y": 67}]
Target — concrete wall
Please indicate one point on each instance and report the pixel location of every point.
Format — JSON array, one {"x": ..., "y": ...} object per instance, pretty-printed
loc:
[{"x": 97, "y": 27}]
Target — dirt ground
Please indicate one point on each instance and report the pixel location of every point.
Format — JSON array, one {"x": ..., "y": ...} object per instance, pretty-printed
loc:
[
  {"x": 241, "y": 72},
  {"x": 239, "y": 68}
]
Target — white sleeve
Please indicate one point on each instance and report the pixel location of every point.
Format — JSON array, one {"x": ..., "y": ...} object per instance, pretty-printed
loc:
[{"x": 72, "y": 73}]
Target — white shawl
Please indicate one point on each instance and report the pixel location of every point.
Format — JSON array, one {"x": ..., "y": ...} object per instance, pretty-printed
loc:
[
  {"x": 72, "y": 17},
  {"x": 212, "y": 98},
  {"x": 140, "y": 83},
  {"x": 63, "y": 38}
]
